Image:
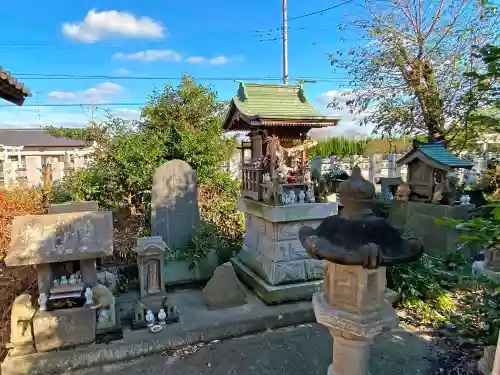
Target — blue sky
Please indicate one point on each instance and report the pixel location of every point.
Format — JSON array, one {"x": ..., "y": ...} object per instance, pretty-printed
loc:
[{"x": 160, "y": 38}]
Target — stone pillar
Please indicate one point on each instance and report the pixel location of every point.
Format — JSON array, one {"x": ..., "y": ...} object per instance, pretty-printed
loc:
[
  {"x": 372, "y": 169},
  {"x": 33, "y": 170},
  {"x": 89, "y": 272},
  {"x": 57, "y": 170},
  {"x": 391, "y": 165},
  {"x": 354, "y": 309},
  {"x": 45, "y": 281},
  {"x": 355, "y": 354},
  {"x": 79, "y": 162}
]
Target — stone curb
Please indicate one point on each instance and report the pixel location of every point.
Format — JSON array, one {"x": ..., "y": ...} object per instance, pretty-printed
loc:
[{"x": 50, "y": 363}]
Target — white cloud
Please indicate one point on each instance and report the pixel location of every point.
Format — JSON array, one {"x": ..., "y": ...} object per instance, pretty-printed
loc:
[
  {"x": 196, "y": 59},
  {"x": 127, "y": 113},
  {"x": 98, "y": 94},
  {"x": 150, "y": 55},
  {"x": 219, "y": 60},
  {"x": 112, "y": 24},
  {"x": 62, "y": 95},
  {"x": 123, "y": 72},
  {"x": 349, "y": 124}
]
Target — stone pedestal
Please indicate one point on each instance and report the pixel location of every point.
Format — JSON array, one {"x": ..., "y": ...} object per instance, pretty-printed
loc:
[
  {"x": 63, "y": 328},
  {"x": 272, "y": 261},
  {"x": 354, "y": 309}
]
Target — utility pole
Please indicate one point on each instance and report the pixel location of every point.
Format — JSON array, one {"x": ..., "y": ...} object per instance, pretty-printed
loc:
[{"x": 285, "y": 43}]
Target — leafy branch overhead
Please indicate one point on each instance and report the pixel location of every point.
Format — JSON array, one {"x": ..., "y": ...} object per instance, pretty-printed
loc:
[{"x": 409, "y": 68}]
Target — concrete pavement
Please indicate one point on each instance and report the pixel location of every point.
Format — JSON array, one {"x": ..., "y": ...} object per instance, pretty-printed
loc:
[{"x": 302, "y": 350}]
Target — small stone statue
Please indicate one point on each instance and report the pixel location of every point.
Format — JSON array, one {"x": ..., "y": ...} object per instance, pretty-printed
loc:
[
  {"x": 21, "y": 327},
  {"x": 292, "y": 199},
  {"x": 42, "y": 301},
  {"x": 162, "y": 315},
  {"x": 357, "y": 236},
  {"x": 302, "y": 196},
  {"x": 403, "y": 192},
  {"x": 64, "y": 280},
  {"x": 150, "y": 318},
  {"x": 72, "y": 279},
  {"x": 310, "y": 195},
  {"x": 104, "y": 301},
  {"x": 89, "y": 296}
]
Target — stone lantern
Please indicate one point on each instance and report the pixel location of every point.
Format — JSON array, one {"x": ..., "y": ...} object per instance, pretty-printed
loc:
[{"x": 357, "y": 247}]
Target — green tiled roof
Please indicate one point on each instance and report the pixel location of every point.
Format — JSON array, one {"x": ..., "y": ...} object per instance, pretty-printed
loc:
[
  {"x": 438, "y": 152},
  {"x": 275, "y": 101},
  {"x": 435, "y": 152}
]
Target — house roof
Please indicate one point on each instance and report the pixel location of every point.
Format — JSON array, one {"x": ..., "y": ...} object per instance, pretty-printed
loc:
[
  {"x": 274, "y": 105},
  {"x": 36, "y": 138},
  {"x": 436, "y": 155},
  {"x": 11, "y": 89}
]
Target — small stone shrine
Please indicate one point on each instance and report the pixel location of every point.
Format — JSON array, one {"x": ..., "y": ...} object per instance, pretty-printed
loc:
[
  {"x": 357, "y": 247},
  {"x": 63, "y": 247},
  {"x": 151, "y": 264},
  {"x": 277, "y": 195}
]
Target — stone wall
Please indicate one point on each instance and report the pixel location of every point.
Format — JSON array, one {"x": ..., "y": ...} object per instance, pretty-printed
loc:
[{"x": 418, "y": 219}]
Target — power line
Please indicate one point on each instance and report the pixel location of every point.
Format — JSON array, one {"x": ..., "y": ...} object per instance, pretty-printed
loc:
[
  {"x": 58, "y": 76},
  {"x": 73, "y": 105},
  {"x": 319, "y": 11}
]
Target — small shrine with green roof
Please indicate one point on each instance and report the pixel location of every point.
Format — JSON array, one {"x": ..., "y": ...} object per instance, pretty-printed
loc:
[
  {"x": 428, "y": 167},
  {"x": 277, "y": 195},
  {"x": 277, "y": 118}
]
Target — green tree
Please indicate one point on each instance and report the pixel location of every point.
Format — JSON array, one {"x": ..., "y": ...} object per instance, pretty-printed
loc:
[
  {"x": 486, "y": 95},
  {"x": 411, "y": 61},
  {"x": 121, "y": 168},
  {"x": 188, "y": 119}
]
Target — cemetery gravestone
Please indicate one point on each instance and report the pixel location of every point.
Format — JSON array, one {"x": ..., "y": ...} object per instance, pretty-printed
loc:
[{"x": 174, "y": 208}]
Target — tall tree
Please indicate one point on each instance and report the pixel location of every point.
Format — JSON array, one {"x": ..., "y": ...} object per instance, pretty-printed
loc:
[
  {"x": 411, "y": 62},
  {"x": 188, "y": 119}
]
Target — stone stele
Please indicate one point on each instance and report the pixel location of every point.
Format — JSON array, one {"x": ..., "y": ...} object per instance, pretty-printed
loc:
[
  {"x": 174, "y": 209},
  {"x": 224, "y": 290},
  {"x": 39, "y": 239}
]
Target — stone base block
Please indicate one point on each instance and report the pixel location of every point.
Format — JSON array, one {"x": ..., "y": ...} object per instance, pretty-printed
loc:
[
  {"x": 274, "y": 294},
  {"x": 278, "y": 273},
  {"x": 63, "y": 328},
  {"x": 363, "y": 326}
]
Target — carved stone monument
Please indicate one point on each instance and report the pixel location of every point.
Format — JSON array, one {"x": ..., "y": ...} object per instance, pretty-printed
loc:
[
  {"x": 357, "y": 246},
  {"x": 174, "y": 208}
]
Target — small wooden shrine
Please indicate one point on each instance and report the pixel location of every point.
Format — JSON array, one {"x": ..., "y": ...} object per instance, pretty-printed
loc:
[
  {"x": 278, "y": 118},
  {"x": 428, "y": 167}
]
